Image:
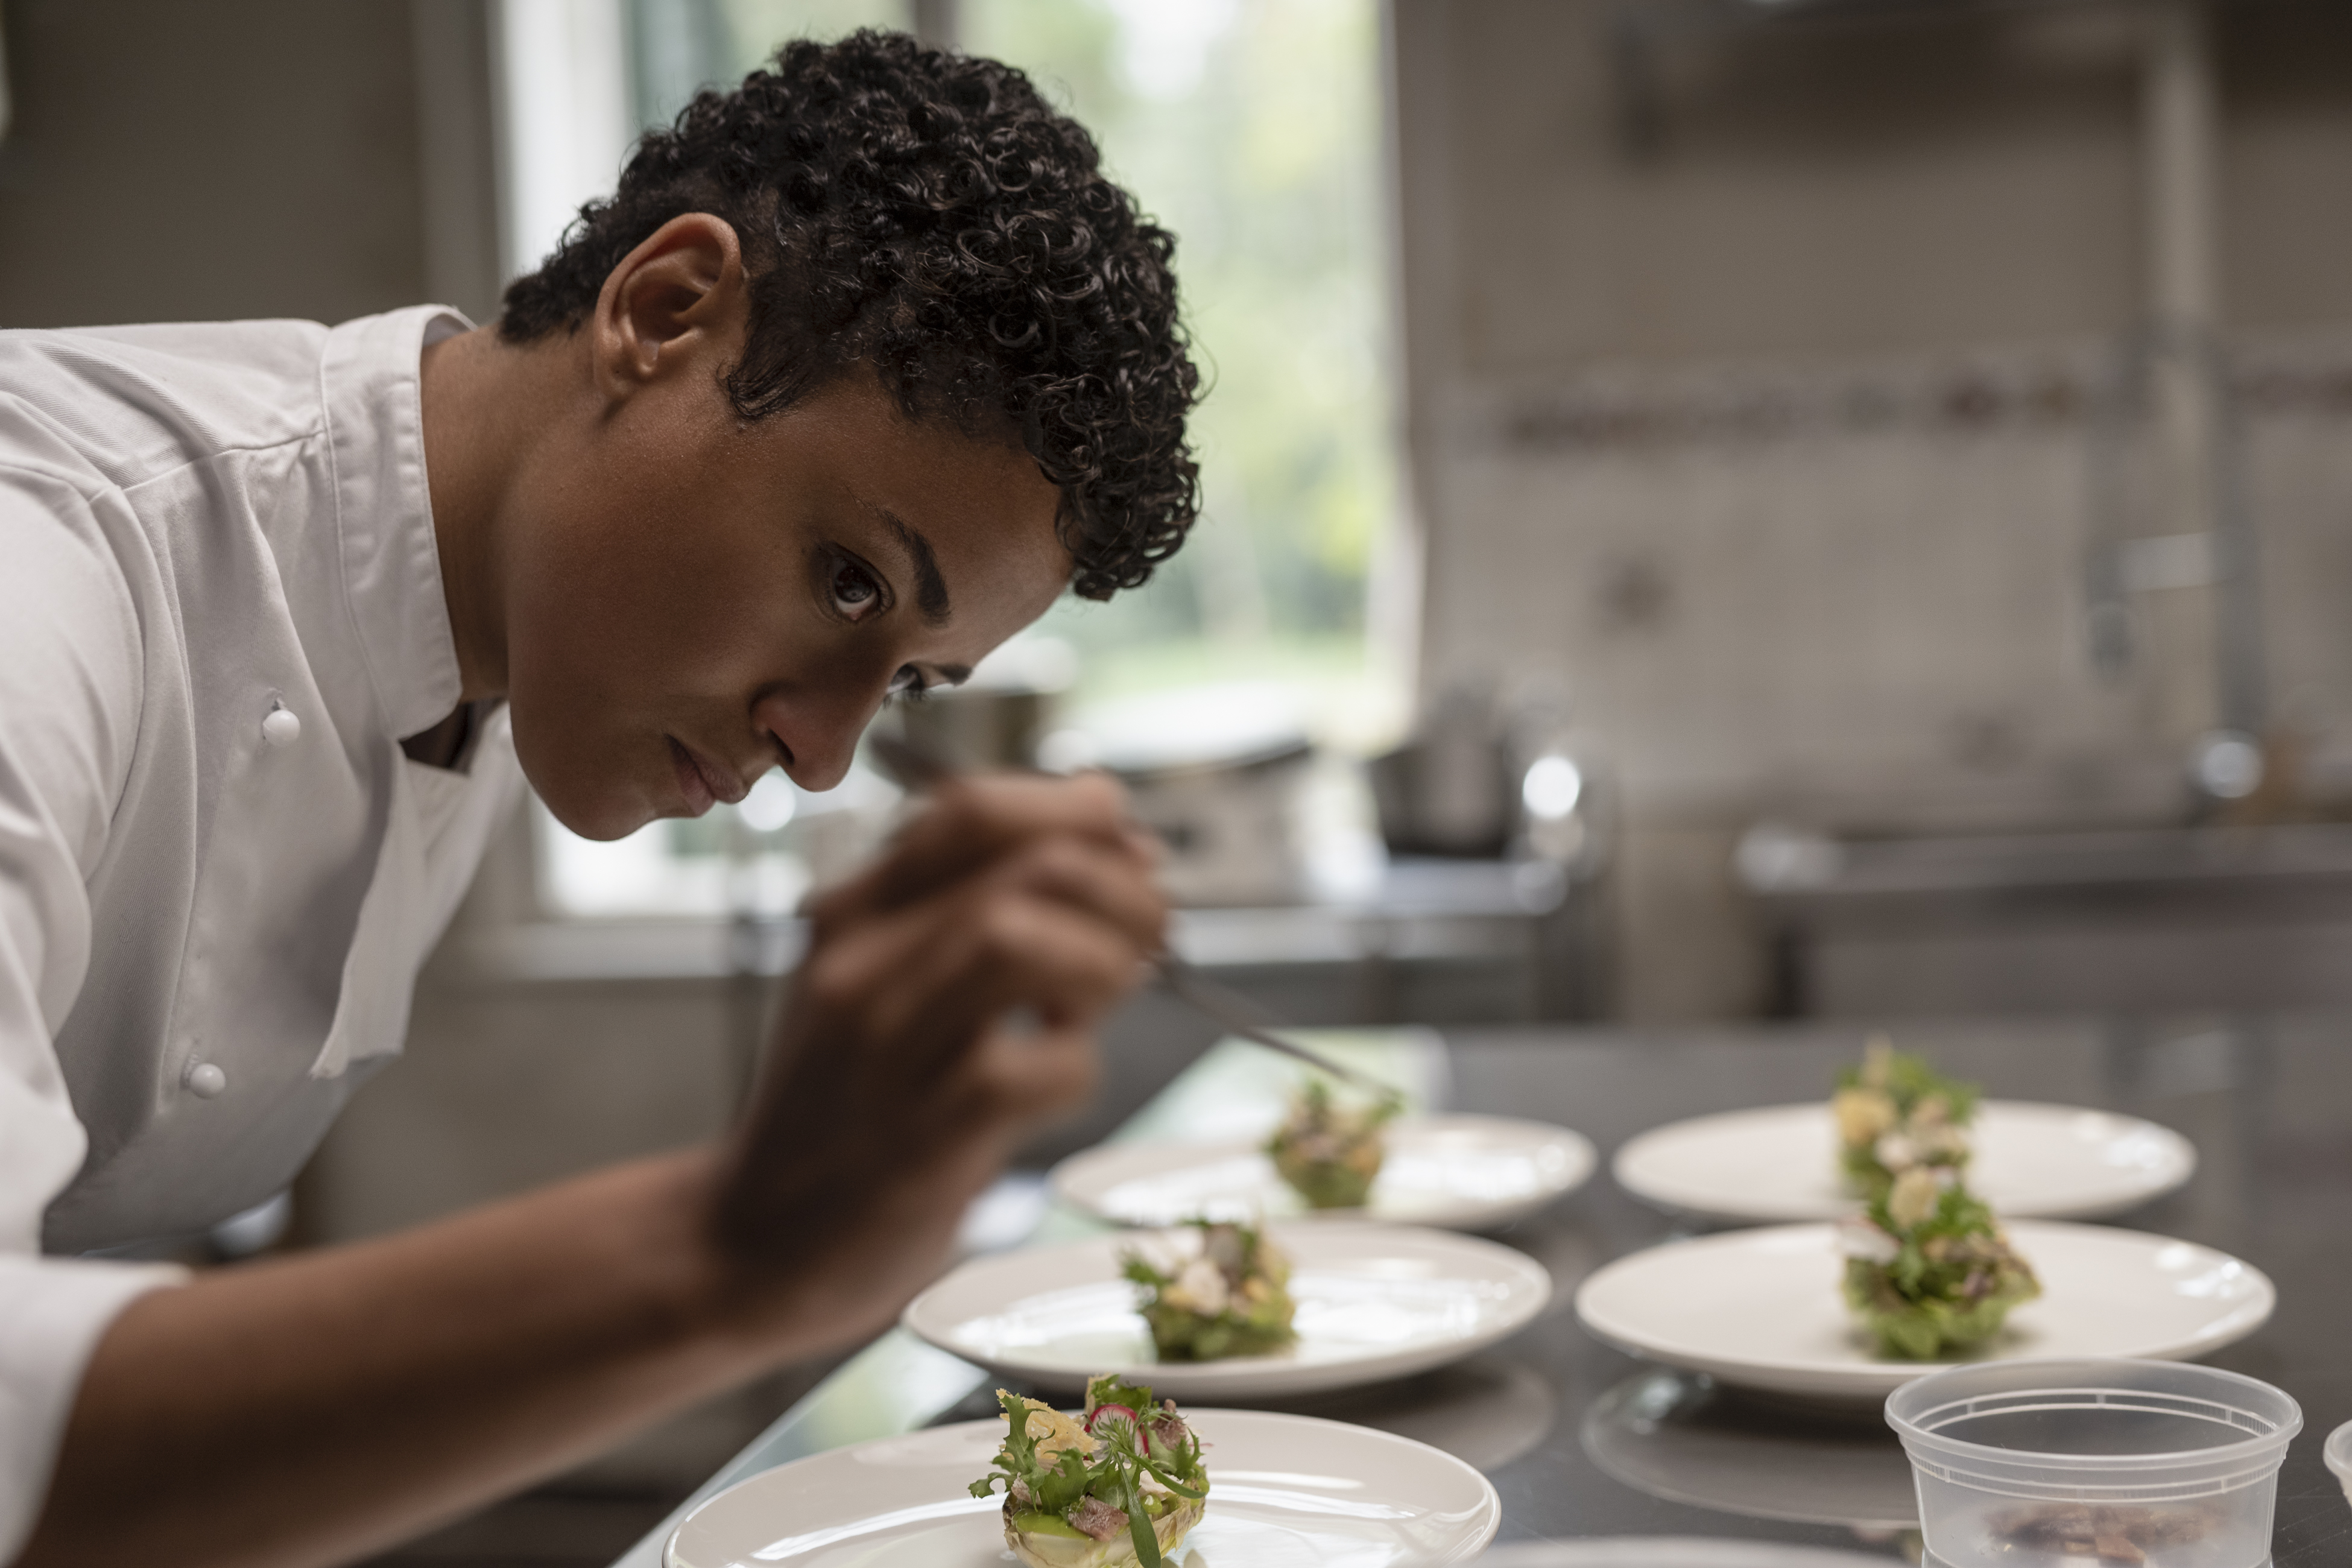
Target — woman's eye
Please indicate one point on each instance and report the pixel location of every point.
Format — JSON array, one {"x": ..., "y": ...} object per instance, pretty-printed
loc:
[{"x": 855, "y": 594}]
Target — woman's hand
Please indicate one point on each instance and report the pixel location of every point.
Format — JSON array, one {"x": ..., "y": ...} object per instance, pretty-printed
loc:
[
  {"x": 314, "y": 1408},
  {"x": 947, "y": 1004}
]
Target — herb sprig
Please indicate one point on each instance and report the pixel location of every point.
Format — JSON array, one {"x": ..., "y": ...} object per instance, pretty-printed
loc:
[{"x": 1128, "y": 1446}]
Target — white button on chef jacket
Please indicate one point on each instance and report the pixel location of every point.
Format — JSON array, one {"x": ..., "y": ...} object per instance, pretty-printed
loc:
[{"x": 220, "y": 606}]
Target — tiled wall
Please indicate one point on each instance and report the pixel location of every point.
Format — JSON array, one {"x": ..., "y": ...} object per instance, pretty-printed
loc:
[{"x": 1763, "y": 393}]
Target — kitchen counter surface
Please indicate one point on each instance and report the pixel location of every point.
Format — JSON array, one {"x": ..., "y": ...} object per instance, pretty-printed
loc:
[{"x": 1580, "y": 1440}]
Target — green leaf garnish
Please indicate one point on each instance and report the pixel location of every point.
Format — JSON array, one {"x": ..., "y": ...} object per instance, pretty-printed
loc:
[{"x": 1124, "y": 1453}]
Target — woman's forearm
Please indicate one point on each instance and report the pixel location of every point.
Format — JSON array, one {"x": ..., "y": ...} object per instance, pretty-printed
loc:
[
  {"x": 305, "y": 1411},
  {"x": 302, "y": 1413}
]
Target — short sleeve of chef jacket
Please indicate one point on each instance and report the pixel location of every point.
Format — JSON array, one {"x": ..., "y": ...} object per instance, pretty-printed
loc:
[{"x": 69, "y": 693}]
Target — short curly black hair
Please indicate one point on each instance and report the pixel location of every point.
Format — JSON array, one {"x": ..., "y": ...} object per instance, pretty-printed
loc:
[{"x": 929, "y": 215}]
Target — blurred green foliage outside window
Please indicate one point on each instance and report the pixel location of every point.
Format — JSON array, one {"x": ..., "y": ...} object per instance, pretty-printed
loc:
[{"x": 1253, "y": 130}]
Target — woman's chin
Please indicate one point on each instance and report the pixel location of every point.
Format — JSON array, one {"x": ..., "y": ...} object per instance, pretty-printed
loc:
[
  {"x": 594, "y": 803},
  {"x": 602, "y": 815}
]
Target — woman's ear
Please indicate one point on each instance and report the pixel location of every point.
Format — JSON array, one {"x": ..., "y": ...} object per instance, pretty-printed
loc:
[{"x": 675, "y": 300}]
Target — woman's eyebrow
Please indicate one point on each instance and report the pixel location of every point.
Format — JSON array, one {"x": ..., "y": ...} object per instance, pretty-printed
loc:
[{"x": 931, "y": 588}]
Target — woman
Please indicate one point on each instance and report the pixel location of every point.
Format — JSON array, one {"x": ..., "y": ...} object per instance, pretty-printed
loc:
[{"x": 863, "y": 365}]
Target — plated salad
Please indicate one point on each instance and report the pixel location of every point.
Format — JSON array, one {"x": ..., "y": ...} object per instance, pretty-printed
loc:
[
  {"x": 1329, "y": 1153},
  {"x": 1896, "y": 1114},
  {"x": 1121, "y": 1482},
  {"x": 1231, "y": 1297},
  {"x": 1929, "y": 1271}
]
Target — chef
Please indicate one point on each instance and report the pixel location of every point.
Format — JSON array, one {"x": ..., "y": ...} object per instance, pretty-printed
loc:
[{"x": 864, "y": 363}]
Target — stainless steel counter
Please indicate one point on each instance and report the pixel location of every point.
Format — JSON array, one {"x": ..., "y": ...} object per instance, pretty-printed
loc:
[{"x": 1583, "y": 1441}]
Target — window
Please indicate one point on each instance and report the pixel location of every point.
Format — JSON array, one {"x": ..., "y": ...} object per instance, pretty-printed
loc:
[{"x": 1253, "y": 129}]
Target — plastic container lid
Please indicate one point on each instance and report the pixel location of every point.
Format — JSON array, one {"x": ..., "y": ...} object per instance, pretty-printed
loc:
[{"x": 2093, "y": 1431}]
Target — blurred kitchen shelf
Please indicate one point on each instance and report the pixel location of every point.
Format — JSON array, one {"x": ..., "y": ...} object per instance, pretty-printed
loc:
[
  {"x": 1418, "y": 911},
  {"x": 2109, "y": 921}
]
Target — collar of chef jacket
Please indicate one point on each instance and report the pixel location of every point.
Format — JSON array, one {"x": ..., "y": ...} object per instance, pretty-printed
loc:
[{"x": 275, "y": 870}]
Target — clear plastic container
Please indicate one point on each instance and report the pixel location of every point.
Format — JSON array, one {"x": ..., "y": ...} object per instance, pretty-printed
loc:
[
  {"x": 2040, "y": 1464},
  {"x": 2339, "y": 1456}
]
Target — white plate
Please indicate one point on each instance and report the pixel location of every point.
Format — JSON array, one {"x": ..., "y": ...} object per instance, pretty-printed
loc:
[
  {"x": 2032, "y": 1161},
  {"x": 1374, "y": 1301},
  {"x": 1762, "y": 1309},
  {"x": 1286, "y": 1489},
  {"x": 1464, "y": 1172}
]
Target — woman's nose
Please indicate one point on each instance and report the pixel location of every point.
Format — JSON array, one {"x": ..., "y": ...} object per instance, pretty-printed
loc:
[{"x": 818, "y": 734}]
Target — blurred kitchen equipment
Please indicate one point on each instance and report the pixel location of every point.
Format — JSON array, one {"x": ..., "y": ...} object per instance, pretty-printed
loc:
[
  {"x": 1218, "y": 773},
  {"x": 1229, "y": 827},
  {"x": 1000, "y": 717},
  {"x": 919, "y": 769},
  {"x": 2226, "y": 764},
  {"x": 1484, "y": 779},
  {"x": 1562, "y": 807},
  {"x": 1448, "y": 791}
]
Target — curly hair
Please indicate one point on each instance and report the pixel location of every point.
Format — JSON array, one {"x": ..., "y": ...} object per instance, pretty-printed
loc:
[{"x": 930, "y": 216}]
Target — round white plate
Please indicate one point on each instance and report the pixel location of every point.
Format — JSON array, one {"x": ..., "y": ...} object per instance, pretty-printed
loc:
[
  {"x": 1762, "y": 1309},
  {"x": 1464, "y": 1172},
  {"x": 1374, "y": 1301},
  {"x": 2032, "y": 1161},
  {"x": 1285, "y": 1489}
]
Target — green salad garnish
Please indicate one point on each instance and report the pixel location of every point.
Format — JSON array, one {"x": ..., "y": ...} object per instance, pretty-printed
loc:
[
  {"x": 1124, "y": 1463},
  {"x": 1896, "y": 1112},
  {"x": 1929, "y": 1271},
  {"x": 1232, "y": 1299},
  {"x": 1329, "y": 1153}
]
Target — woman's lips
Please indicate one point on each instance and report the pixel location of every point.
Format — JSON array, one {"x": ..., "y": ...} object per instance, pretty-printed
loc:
[{"x": 702, "y": 782}]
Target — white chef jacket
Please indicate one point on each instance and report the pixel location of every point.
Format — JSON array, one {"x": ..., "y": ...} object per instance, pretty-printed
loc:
[{"x": 220, "y": 607}]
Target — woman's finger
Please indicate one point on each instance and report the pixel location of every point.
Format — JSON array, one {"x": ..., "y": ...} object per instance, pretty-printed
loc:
[
  {"x": 1011, "y": 949},
  {"x": 1019, "y": 1078},
  {"x": 971, "y": 822},
  {"x": 1093, "y": 879}
]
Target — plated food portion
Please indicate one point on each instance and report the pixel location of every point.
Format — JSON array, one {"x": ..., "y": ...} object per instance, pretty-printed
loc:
[
  {"x": 1764, "y": 1308},
  {"x": 1897, "y": 1114},
  {"x": 1367, "y": 1302},
  {"x": 1121, "y": 1482},
  {"x": 1327, "y": 1151},
  {"x": 1459, "y": 1173},
  {"x": 1928, "y": 1271},
  {"x": 1228, "y": 1294},
  {"x": 1286, "y": 1489},
  {"x": 1891, "y": 1113}
]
